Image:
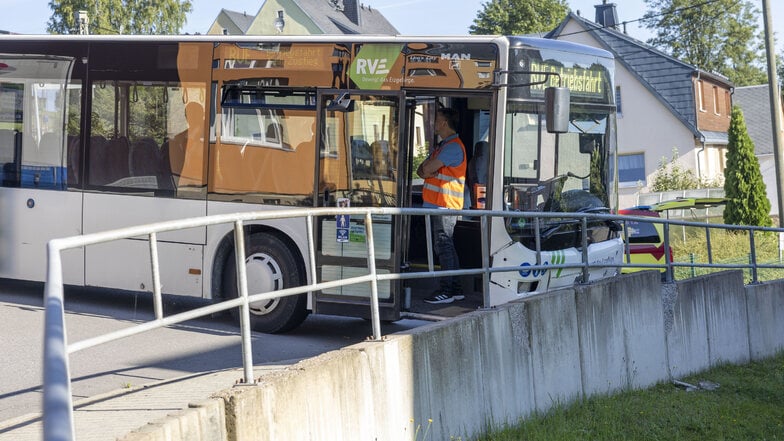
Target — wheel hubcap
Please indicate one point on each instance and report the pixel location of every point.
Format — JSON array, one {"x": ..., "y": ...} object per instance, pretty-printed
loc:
[{"x": 264, "y": 275}]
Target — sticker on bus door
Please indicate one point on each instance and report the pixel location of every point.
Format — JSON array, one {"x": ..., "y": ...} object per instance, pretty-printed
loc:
[{"x": 342, "y": 225}]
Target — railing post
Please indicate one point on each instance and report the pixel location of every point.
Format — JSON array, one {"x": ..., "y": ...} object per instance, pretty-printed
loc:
[
  {"x": 626, "y": 246},
  {"x": 485, "y": 240},
  {"x": 311, "y": 250},
  {"x": 374, "y": 315},
  {"x": 242, "y": 286},
  {"x": 538, "y": 240},
  {"x": 57, "y": 402},
  {"x": 586, "y": 270},
  {"x": 753, "y": 258},
  {"x": 781, "y": 246},
  {"x": 668, "y": 273},
  {"x": 156, "y": 277},
  {"x": 693, "y": 269},
  {"x": 429, "y": 240}
]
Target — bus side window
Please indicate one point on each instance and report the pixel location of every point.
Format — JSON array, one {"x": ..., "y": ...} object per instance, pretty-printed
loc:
[
  {"x": 148, "y": 161},
  {"x": 118, "y": 162},
  {"x": 144, "y": 157},
  {"x": 74, "y": 160},
  {"x": 8, "y": 157},
  {"x": 108, "y": 160},
  {"x": 42, "y": 166},
  {"x": 42, "y": 161}
]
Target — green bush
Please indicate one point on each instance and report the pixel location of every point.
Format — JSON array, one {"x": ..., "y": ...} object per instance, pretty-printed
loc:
[{"x": 747, "y": 200}]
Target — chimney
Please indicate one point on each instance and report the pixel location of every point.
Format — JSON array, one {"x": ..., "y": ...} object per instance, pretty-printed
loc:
[
  {"x": 351, "y": 10},
  {"x": 606, "y": 15}
]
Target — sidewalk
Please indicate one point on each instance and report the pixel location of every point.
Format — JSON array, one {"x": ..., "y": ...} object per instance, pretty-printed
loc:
[{"x": 115, "y": 414}]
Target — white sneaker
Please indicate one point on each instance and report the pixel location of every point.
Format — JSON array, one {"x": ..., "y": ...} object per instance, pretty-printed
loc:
[{"x": 443, "y": 298}]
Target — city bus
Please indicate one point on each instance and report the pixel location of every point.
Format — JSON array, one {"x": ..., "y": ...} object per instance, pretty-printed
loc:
[{"x": 103, "y": 132}]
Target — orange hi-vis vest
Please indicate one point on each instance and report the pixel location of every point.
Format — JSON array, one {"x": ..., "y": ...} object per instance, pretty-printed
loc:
[{"x": 446, "y": 188}]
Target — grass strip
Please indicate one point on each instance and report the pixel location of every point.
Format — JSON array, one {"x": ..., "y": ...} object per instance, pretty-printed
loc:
[{"x": 748, "y": 404}]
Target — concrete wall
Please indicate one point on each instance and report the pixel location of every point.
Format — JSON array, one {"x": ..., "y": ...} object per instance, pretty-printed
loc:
[
  {"x": 710, "y": 323},
  {"x": 765, "y": 310},
  {"x": 493, "y": 367}
]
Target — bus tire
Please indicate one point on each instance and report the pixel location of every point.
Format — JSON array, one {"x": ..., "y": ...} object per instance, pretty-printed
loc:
[{"x": 270, "y": 266}]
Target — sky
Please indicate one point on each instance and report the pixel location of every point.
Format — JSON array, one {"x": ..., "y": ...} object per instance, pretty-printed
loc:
[{"x": 410, "y": 17}]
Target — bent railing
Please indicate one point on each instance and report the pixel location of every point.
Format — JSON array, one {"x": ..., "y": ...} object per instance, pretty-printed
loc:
[{"x": 58, "y": 406}]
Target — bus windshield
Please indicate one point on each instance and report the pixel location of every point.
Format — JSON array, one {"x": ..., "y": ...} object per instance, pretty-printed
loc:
[{"x": 533, "y": 158}]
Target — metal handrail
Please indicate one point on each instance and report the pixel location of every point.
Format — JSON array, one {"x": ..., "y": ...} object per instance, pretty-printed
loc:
[
  {"x": 753, "y": 264},
  {"x": 58, "y": 406}
]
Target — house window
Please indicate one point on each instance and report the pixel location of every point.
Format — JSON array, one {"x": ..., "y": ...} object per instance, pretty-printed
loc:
[
  {"x": 716, "y": 108},
  {"x": 618, "y": 107},
  {"x": 700, "y": 98},
  {"x": 727, "y": 103},
  {"x": 631, "y": 168}
]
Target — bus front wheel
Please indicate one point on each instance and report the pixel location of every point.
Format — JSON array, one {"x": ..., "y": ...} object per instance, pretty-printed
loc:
[{"x": 270, "y": 266}]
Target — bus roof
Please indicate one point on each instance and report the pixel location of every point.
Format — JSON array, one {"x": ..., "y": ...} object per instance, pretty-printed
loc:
[
  {"x": 254, "y": 38},
  {"x": 513, "y": 41},
  {"x": 558, "y": 45}
]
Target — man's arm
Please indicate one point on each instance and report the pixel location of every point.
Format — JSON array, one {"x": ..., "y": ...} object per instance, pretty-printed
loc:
[{"x": 429, "y": 167}]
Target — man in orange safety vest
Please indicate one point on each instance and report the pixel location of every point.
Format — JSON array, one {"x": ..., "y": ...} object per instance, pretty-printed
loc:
[{"x": 444, "y": 172}]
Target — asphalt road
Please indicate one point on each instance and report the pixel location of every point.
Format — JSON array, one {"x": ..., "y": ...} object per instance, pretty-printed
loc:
[{"x": 196, "y": 346}]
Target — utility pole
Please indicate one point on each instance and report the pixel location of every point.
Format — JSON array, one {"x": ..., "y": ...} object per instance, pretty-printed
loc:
[
  {"x": 82, "y": 20},
  {"x": 775, "y": 107}
]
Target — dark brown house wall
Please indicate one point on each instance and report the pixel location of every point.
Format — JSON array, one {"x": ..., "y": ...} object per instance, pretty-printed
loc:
[{"x": 714, "y": 105}]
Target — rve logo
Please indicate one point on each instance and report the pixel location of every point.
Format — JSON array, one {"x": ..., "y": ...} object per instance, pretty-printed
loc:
[{"x": 372, "y": 66}]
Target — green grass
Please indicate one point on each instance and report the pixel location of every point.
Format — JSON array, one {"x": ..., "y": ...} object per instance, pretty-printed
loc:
[
  {"x": 689, "y": 245},
  {"x": 748, "y": 405}
]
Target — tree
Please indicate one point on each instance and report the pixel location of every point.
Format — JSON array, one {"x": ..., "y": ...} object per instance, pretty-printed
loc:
[
  {"x": 517, "y": 17},
  {"x": 159, "y": 17},
  {"x": 720, "y": 36},
  {"x": 747, "y": 200}
]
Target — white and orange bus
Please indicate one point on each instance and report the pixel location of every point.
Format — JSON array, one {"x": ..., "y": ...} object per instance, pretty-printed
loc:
[{"x": 102, "y": 132}]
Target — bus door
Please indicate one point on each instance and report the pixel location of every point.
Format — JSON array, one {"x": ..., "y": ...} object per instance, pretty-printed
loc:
[
  {"x": 36, "y": 96},
  {"x": 359, "y": 165}
]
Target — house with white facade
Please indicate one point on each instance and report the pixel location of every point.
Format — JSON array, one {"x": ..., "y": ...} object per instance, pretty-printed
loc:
[
  {"x": 304, "y": 17},
  {"x": 663, "y": 105}
]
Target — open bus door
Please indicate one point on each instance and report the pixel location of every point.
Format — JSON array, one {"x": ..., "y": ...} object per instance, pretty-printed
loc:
[
  {"x": 37, "y": 95},
  {"x": 359, "y": 162}
]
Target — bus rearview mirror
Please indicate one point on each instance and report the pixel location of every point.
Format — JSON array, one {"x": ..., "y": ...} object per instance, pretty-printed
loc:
[{"x": 556, "y": 102}]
